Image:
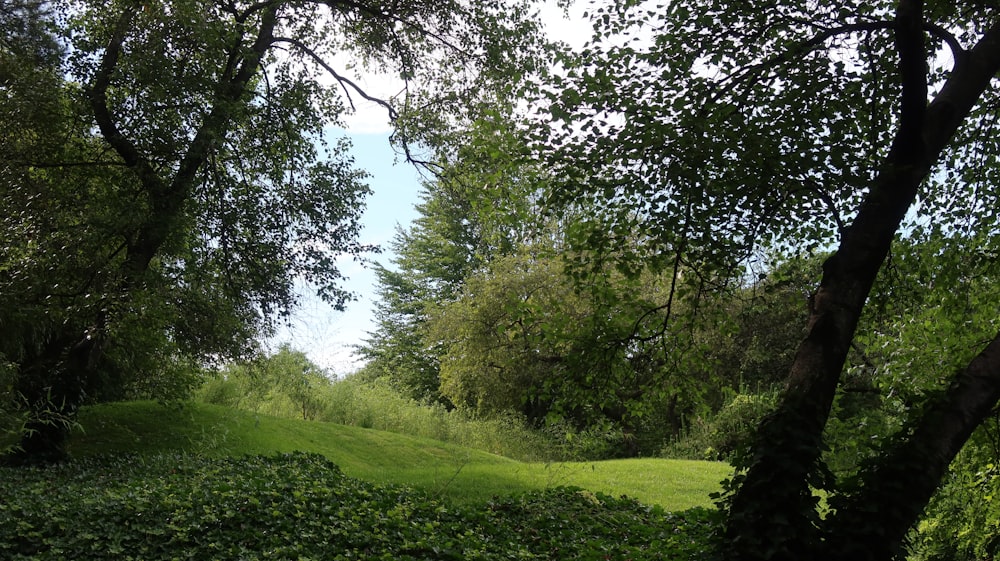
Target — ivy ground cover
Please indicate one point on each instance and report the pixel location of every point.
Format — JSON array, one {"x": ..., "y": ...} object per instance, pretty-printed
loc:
[{"x": 302, "y": 506}]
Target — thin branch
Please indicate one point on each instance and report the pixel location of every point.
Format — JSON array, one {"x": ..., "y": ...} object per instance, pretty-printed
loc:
[
  {"x": 674, "y": 278},
  {"x": 829, "y": 33},
  {"x": 795, "y": 51},
  {"x": 816, "y": 187},
  {"x": 936, "y": 30},
  {"x": 51, "y": 165},
  {"x": 348, "y": 86},
  {"x": 344, "y": 81},
  {"x": 88, "y": 285},
  {"x": 380, "y": 14},
  {"x": 242, "y": 17}
]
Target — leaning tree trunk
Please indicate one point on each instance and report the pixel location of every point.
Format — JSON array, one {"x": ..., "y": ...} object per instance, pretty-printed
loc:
[
  {"x": 773, "y": 514},
  {"x": 872, "y": 523}
]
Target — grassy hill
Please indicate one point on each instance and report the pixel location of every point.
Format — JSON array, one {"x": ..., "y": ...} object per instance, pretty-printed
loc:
[{"x": 452, "y": 472}]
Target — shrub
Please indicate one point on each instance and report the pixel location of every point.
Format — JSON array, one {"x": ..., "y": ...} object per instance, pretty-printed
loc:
[{"x": 728, "y": 430}]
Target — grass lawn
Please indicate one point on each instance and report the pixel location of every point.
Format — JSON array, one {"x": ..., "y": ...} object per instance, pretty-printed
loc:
[{"x": 456, "y": 473}]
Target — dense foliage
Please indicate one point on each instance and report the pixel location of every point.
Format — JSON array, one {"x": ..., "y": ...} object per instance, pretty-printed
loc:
[
  {"x": 302, "y": 506},
  {"x": 634, "y": 356},
  {"x": 591, "y": 265},
  {"x": 478, "y": 207},
  {"x": 709, "y": 130},
  {"x": 522, "y": 336},
  {"x": 171, "y": 173}
]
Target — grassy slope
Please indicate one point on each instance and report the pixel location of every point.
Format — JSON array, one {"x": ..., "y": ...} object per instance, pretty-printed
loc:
[{"x": 381, "y": 457}]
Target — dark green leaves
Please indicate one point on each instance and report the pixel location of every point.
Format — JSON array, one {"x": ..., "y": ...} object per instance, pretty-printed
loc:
[
  {"x": 302, "y": 506},
  {"x": 718, "y": 128}
]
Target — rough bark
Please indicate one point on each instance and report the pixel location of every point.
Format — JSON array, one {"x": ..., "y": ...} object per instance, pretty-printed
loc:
[{"x": 773, "y": 513}]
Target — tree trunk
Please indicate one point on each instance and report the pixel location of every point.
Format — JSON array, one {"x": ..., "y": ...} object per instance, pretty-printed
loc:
[
  {"x": 872, "y": 523},
  {"x": 773, "y": 514}
]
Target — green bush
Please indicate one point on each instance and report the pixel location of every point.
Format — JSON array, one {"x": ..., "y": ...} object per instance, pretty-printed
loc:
[
  {"x": 730, "y": 429},
  {"x": 962, "y": 521},
  {"x": 301, "y": 506}
]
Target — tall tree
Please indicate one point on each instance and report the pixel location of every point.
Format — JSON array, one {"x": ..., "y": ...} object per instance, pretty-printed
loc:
[
  {"x": 478, "y": 206},
  {"x": 188, "y": 185},
  {"x": 433, "y": 258},
  {"x": 790, "y": 124}
]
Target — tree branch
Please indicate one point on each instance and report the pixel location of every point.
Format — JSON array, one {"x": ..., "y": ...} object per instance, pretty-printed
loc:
[
  {"x": 52, "y": 165},
  {"x": 242, "y": 67},
  {"x": 345, "y": 83},
  {"x": 899, "y": 487},
  {"x": 972, "y": 75},
  {"x": 913, "y": 78},
  {"x": 826, "y": 34},
  {"x": 98, "y": 95},
  {"x": 957, "y": 51},
  {"x": 378, "y": 13}
]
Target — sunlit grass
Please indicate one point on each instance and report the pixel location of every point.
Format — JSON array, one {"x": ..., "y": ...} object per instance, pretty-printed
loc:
[{"x": 453, "y": 472}]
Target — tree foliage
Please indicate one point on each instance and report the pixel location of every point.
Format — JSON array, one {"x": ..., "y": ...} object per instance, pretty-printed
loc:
[
  {"x": 172, "y": 178},
  {"x": 478, "y": 207},
  {"x": 434, "y": 256},
  {"x": 284, "y": 383},
  {"x": 947, "y": 285},
  {"x": 715, "y": 128},
  {"x": 602, "y": 353}
]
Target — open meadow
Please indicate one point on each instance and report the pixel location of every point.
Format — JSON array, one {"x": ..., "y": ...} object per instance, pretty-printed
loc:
[{"x": 459, "y": 474}]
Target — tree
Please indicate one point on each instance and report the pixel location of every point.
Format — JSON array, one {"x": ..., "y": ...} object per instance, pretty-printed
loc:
[
  {"x": 788, "y": 125},
  {"x": 33, "y": 107},
  {"x": 523, "y": 336},
  {"x": 434, "y": 256},
  {"x": 185, "y": 184},
  {"x": 477, "y": 207}
]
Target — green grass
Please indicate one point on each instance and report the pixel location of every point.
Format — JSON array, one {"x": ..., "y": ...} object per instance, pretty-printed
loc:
[{"x": 459, "y": 474}]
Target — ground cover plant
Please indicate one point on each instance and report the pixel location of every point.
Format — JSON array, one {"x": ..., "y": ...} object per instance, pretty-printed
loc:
[{"x": 302, "y": 506}]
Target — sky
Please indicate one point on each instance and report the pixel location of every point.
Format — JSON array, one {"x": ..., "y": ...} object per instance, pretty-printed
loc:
[{"x": 329, "y": 337}]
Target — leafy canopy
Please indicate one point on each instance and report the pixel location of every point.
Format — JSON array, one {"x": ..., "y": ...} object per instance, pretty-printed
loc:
[
  {"x": 171, "y": 176},
  {"x": 713, "y": 128}
]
